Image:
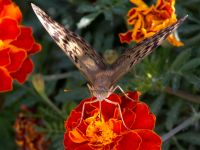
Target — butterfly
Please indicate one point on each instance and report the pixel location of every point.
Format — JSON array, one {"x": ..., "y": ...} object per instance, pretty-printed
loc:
[{"x": 101, "y": 77}]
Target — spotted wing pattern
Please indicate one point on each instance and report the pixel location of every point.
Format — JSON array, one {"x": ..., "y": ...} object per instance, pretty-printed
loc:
[
  {"x": 134, "y": 55},
  {"x": 76, "y": 48}
]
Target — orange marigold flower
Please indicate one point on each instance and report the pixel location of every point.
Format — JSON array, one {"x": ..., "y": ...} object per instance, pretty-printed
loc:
[
  {"x": 108, "y": 133},
  {"x": 146, "y": 21},
  {"x": 16, "y": 45},
  {"x": 26, "y": 136}
]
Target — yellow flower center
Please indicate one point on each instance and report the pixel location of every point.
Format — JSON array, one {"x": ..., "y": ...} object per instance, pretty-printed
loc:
[
  {"x": 99, "y": 131},
  {"x": 1, "y": 43}
]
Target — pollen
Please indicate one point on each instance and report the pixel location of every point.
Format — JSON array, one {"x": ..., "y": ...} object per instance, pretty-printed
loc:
[{"x": 99, "y": 131}]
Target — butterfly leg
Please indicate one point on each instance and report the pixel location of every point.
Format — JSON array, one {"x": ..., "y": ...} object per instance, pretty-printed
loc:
[
  {"x": 120, "y": 112},
  {"x": 83, "y": 110},
  {"x": 118, "y": 87}
]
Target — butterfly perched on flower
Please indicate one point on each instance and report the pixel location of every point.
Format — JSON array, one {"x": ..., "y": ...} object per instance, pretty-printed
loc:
[{"x": 101, "y": 76}]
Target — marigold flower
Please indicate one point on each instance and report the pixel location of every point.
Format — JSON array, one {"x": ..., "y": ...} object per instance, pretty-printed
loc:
[
  {"x": 108, "y": 133},
  {"x": 146, "y": 21},
  {"x": 16, "y": 45},
  {"x": 26, "y": 136}
]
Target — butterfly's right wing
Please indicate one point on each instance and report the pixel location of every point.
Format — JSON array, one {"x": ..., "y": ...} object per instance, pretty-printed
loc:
[
  {"x": 79, "y": 51},
  {"x": 134, "y": 55}
]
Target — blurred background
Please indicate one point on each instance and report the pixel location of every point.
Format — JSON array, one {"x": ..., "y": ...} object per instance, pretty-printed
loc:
[{"x": 169, "y": 79}]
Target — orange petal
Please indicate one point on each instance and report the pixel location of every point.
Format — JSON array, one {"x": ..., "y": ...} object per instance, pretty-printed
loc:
[
  {"x": 77, "y": 136},
  {"x": 150, "y": 140},
  {"x": 6, "y": 80},
  {"x": 17, "y": 57},
  {"x": 9, "y": 29},
  {"x": 175, "y": 42},
  {"x": 11, "y": 11},
  {"x": 139, "y": 3},
  {"x": 129, "y": 141},
  {"x": 25, "y": 40},
  {"x": 4, "y": 57},
  {"x": 125, "y": 37},
  {"x": 22, "y": 73}
]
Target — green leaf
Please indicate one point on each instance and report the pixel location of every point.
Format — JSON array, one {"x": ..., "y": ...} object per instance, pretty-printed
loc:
[
  {"x": 180, "y": 60},
  {"x": 176, "y": 81},
  {"x": 157, "y": 104},
  {"x": 192, "y": 64},
  {"x": 86, "y": 8},
  {"x": 172, "y": 115},
  {"x": 190, "y": 137},
  {"x": 193, "y": 79}
]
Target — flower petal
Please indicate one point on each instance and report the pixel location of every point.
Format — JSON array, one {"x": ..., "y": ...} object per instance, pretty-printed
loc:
[
  {"x": 125, "y": 37},
  {"x": 8, "y": 29},
  {"x": 77, "y": 136},
  {"x": 6, "y": 80},
  {"x": 4, "y": 57},
  {"x": 11, "y": 11},
  {"x": 69, "y": 145},
  {"x": 25, "y": 40},
  {"x": 139, "y": 3},
  {"x": 35, "y": 49},
  {"x": 129, "y": 141},
  {"x": 17, "y": 57},
  {"x": 22, "y": 73},
  {"x": 142, "y": 111},
  {"x": 149, "y": 139}
]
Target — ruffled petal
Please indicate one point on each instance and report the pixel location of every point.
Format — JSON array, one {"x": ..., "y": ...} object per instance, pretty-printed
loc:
[
  {"x": 24, "y": 71},
  {"x": 149, "y": 139},
  {"x": 17, "y": 57},
  {"x": 129, "y": 141},
  {"x": 25, "y": 40},
  {"x": 139, "y": 3},
  {"x": 35, "y": 49},
  {"x": 77, "y": 136},
  {"x": 9, "y": 29},
  {"x": 142, "y": 111},
  {"x": 11, "y": 11},
  {"x": 125, "y": 37},
  {"x": 70, "y": 145},
  {"x": 4, "y": 57},
  {"x": 6, "y": 80}
]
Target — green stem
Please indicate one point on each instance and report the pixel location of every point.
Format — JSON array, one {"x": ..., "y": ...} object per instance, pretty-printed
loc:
[
  {"x": 56, "y": 76},
  {"x": 180, "y": 127},
  {"x": 51, "y": 105},
  {"x": 183, "y": 94}
]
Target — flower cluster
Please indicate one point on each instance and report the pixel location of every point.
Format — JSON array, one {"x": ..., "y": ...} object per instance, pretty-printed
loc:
[
  {"x": 16, "y": 45},
  {"x": 146, "y": 21},
  {"x": 26, "y": 136},
  {"x": 108, "y": 132}
]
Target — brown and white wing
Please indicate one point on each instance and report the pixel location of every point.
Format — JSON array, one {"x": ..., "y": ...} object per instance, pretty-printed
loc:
[
  {"x": 135, "y": 54},
  {"x": 79, "y": 51}
]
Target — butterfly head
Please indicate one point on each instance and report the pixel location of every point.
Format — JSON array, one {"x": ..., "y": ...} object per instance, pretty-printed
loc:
[{"x": 99, "y": 92}]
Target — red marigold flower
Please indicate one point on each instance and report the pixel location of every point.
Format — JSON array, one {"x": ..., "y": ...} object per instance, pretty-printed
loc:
[
  {"x": 16, "y": 45},
  {"x": 146, "y": 21},
  {"x": 26, "y": 136},
  {"x": 108, "y": 132}
]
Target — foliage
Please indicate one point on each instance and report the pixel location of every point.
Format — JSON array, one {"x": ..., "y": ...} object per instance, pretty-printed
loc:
[{"x": 169, "y": 79}]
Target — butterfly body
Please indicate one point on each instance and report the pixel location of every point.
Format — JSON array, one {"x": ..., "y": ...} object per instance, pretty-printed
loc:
[
  {"x": 102, "y": 86},
  {"x": 101, "y": 77}
]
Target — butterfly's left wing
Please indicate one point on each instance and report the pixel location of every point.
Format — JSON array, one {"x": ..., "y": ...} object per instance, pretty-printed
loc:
[
  {"x": 76, "y": 48},
  {"x": 135, "y": 54}
]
